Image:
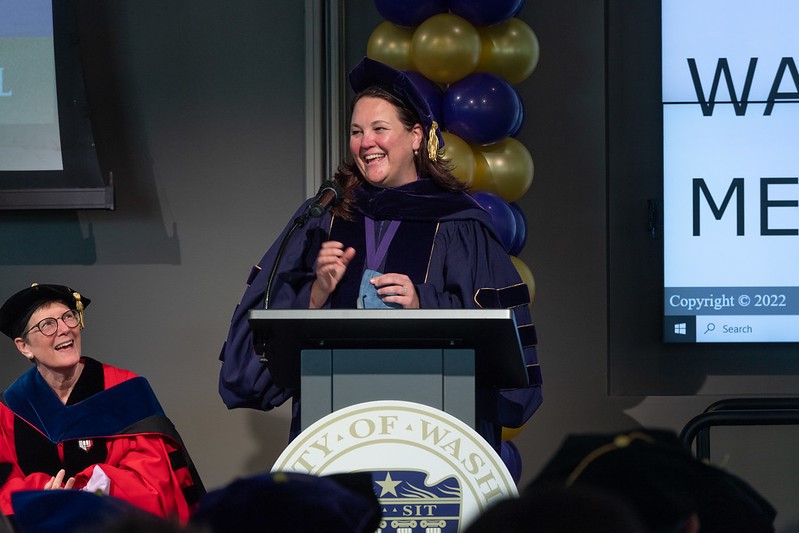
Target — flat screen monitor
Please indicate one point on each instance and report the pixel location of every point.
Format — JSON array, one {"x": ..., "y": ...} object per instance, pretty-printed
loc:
[
  {"x": 730, "y": 96},
  {"x": 48, "y": 157},
  {"x": 702, "y": 100}
]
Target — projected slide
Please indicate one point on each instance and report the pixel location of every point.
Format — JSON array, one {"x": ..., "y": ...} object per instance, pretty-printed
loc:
[
  {"x": 731, "y": 170},
  {"x": 29, "y": 130}
]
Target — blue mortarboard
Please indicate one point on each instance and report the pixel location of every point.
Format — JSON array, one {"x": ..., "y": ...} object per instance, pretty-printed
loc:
[
  {"x": 292, "y": 502},
  {"x": 68, "y": 511},
  {"x": 653, "y": 471},
  {"x": 17, "y": 310},
  {"x": 370, "y": 73}
]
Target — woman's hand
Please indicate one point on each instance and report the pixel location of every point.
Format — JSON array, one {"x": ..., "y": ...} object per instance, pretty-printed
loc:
[
  {"x": 57, "y": 480},
  {"x": 331, "y": 264},
  {"x": 396, "y": 288}
]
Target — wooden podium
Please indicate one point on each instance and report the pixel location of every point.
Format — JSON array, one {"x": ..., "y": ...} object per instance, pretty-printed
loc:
[{"x": 435, "y": 357}]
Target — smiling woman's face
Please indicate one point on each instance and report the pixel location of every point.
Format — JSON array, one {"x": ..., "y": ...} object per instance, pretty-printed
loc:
[
  {"x": 381, "y": 146},
  {"x": 60, "y": 351}
]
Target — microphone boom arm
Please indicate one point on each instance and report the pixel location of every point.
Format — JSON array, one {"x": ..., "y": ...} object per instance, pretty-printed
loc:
[{"x": 328, "y": 194}]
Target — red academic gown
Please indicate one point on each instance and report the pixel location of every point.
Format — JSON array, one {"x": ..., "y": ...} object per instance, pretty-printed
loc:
[{"x": 112, "y": 420}]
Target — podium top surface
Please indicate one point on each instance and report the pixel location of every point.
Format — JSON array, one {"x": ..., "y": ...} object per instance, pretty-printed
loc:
[{"x": 491, "y": 333}]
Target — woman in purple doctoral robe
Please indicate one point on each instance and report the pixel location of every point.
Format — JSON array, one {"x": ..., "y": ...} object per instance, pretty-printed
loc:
[{"x": 406, "y": 231}]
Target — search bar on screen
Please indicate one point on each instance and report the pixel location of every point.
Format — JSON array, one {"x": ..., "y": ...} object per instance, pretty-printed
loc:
[{"x": 758, "y": 328}]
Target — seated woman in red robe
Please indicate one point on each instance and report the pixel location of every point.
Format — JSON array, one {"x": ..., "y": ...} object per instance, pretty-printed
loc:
[{"x": 71, "y": 422}]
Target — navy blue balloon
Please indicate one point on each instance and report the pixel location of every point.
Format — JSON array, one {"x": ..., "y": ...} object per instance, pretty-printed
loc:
[
  {"x": 502, "y": 217},
  {"x": 520, "y": 238},
  {"x": 430, "y": 91},
  {"x": 485, "y": 12},
  {"x": 520, "y": 119},
  {"x": 510, "y": 455},
  {"x": 482, "y": 108},
  {"x": 410, "y": 13}
]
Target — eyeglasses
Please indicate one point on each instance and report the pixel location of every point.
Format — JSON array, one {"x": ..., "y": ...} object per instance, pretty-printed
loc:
[{"x": 49, "y": 326}]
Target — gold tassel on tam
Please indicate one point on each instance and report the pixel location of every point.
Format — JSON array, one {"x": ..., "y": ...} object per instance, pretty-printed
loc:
[
  {"x": 432, "y": 142},
  {"x": 79, "y": 308},
  {"x": 619, "y": 441}
]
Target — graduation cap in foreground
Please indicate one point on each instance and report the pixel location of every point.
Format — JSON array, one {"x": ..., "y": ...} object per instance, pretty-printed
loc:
[
  {"x": 654, "y": 472},
  {"x": 370, "y": 73},
  {"x": 554, "y": 509},
  {"x": 292, "y": 502},
  {"x": 70, "y": 511},
  {"x": 17, "y": 310}
]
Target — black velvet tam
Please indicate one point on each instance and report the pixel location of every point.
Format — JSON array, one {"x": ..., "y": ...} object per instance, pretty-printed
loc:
[
  {"x": 370, "y": 73},
  {"x": 17, "y": 310}
]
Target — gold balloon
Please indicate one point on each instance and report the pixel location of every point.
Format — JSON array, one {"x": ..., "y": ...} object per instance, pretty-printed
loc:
[
  {"x": 509, "y": 50},
  {"x": 445, "y": 48},
  {"x": 461, "y": 156},
  {"x": 482, "y": 172},
  {"x": 526, "y": 274},
  {"x": 510, "y": 433},
  {"x": 504, "y": 168},
  {"x": 391, "y": 44}
]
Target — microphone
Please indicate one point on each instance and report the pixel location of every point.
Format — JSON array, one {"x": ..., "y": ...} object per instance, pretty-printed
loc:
[{"x": 328, "y": 195}]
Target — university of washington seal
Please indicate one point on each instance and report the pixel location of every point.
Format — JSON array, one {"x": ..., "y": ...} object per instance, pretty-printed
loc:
[{"x": 431, "y": 472}]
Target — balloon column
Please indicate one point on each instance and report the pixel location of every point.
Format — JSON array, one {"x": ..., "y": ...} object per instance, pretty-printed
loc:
[{"x": 467, "y": 55}]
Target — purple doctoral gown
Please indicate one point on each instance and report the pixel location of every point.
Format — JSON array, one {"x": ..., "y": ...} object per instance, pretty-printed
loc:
[{"x": 444, "y": 243}]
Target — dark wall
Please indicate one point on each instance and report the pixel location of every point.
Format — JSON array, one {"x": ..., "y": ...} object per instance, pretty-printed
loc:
[{"x": 199, "y": 113}]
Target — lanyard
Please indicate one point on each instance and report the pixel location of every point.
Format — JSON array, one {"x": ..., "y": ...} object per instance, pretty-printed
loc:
[{"x": 376, "y": 253}]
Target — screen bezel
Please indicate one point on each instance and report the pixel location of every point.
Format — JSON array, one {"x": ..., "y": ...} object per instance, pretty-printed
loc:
[{"x": 81, "y": 184}]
